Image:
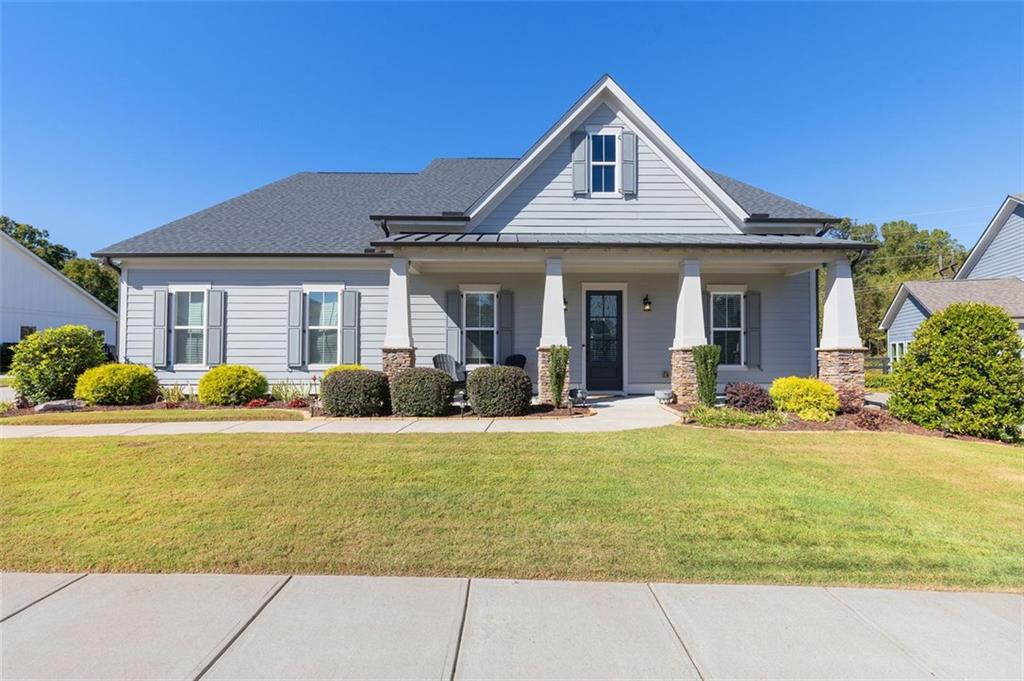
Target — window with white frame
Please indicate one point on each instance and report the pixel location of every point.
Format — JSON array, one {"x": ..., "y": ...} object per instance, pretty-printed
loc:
[
  {"x": 604, "y": 163},
  {"x": 322, "y": 327},
  {"x": 727, "y": 326},
  {"x": 480, "y": 326},
  {"x": 189, "y": 328}
]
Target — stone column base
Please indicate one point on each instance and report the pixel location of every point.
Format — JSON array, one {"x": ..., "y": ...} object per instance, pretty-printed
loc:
[
  {"x": 684, "y": 377},
  {"x": 843, "y": 369},
  {"x": 544, "y": 394},
  {"x": 397, "y": 360}
]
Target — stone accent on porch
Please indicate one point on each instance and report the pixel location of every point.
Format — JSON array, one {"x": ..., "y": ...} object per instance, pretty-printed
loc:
[
  {"x": 843, "y": 369},
  {"x": 684, "y": 377},
  {"x": 397, "y": 360},
  {"x": 544, "y": 394}
]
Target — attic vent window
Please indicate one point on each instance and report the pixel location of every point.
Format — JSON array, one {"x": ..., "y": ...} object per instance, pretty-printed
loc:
[{"x": 603, "y": 164}]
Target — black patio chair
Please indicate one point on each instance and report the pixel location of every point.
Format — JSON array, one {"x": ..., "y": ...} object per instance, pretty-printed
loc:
[
  {"x": 447, "y": 364},
  {"x": 516, "y": 361}
]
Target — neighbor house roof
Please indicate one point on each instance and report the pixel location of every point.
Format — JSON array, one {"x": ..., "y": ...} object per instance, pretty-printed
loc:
[
  {"x": 933, "y": 296},
  {"x": 632, "y": 239},
  {"x": 304, "y": 214}
]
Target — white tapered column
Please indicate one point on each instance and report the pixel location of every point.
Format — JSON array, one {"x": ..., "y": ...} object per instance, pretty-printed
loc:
[
  {"x": 841, "y": 351},
  {"x": 689, "y": 333},
  {"x": 552, "y": 323},
  {"x": 398, "y": 352}
]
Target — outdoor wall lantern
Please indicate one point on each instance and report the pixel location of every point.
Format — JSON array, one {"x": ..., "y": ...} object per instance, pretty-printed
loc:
[
  {"x": 565, "y": 304},
  {"x": 647, "y": 303}
]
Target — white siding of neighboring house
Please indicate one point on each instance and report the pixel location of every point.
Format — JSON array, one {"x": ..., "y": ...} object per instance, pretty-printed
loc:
[
  {"x": 34, "y": 294},
  {"x": 256, "y": 322},
  {"x": 1004, "y": 256},
  {"x": 544, "y": 202}
]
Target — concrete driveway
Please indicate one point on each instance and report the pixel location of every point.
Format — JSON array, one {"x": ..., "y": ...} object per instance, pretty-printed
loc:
[{"x": 308, "y": 627}]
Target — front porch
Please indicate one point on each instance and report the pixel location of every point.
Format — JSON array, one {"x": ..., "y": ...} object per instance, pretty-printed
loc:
[{"x": 630, "y": 316}]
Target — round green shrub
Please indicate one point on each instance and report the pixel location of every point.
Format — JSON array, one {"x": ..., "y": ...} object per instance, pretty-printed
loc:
[
  {"x": 420, "y": 391},
  {"x": 355, "y": 393},
  {"x": 963, "y": 373},
  {"x": 809, "y": 398},
  {"x": 231, "y": 384},
  {"x": 499, "y": 391},
  {"x": 343, "y": 367},
  {"x": 47, "y": 364},
  {"x": 117, "y": 384}
]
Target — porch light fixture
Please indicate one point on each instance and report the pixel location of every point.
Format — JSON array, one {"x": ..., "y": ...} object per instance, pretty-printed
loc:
[
  {"x": 565, "y": 304},
  {"x": 647, "y": 303}
]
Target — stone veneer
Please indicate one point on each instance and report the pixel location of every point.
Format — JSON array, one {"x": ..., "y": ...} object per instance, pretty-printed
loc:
[
  {"x": 543, "y": 380},
  {"x": 684, "y": 377},
  {"x": 396, "y": 360},
  {"x": 843, "y": 368}
]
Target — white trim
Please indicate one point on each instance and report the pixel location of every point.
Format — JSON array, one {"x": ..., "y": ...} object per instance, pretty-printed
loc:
[
  {"x": 184, "y": 288},
  {"x": 729, "y": 290},
  {"x": 988, "y": 236},
  {"x": 326, "y": 286},
  {"x": 188, "y": 288},
  {"x": 605, "y": 286},
  {"x": 336, "y": 264},
  {"x": 894, "y": 307},
  {"x": 614, "y": 131},
  {"x": 339, "y": 290},
  {"x": 52, "y": 270},
  {"x": 491, "y": 290},
  {"x": 122, "y": 314}
]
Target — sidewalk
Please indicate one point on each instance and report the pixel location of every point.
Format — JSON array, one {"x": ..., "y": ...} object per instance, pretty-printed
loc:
[
  {"x": 272, "y": 627},
  {"x": 615, "y": 413}
]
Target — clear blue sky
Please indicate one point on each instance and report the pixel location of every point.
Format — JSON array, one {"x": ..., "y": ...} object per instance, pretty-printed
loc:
[{"x": 121, "y": 117}]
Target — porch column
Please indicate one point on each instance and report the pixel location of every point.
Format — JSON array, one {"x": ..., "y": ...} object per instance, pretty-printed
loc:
[
  {"x": 689, "y": 333},
  {"x": 552, "y": 328},
  {"x": 841, "y": 351},
  {"x": 398, "y": 353}
]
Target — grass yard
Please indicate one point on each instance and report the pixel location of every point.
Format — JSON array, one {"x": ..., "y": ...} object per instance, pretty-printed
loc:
[
  {"x": 678, "y": 504},
  {"x": 151, "y": 416}
]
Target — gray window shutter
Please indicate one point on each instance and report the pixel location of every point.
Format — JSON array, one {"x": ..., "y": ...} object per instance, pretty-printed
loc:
[
  {"x": 578, "y": 142},
  {"x": 295, "y": 328},
  {"x": 753, "y": 331},
  {"x": 707, "y": 316},
  {"x": 350, "y": 327},
  {"x": 160, "y": 307},
  {"x": 453, "y": 324},
  {"x": 215, "y": 328},
  {"x": 506, "y": 325},
  {"x": 629, "y": 163}
]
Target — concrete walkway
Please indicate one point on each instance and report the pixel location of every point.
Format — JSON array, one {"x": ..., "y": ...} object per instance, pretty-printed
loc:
[
  {"x": 612, "y": 413},
  {"x": 273, "y": 627}
]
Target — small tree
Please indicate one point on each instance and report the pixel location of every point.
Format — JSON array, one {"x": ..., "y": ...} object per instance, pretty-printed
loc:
[
  {"x": 47, "y": 364},
  {"x": 558, "y": 365},
  {"x": 963, "y": 373},
  {"x": 705, "y": 360}
]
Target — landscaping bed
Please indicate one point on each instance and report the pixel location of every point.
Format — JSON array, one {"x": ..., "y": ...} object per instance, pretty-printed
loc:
[{"x": 151, "y": 413}]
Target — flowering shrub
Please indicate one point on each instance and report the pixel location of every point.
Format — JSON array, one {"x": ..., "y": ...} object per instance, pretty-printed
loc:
[{"x": 254, "y": 404}]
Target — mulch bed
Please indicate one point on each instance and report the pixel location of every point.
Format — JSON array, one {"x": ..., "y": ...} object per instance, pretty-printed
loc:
[{"x": 156, "y": 406}]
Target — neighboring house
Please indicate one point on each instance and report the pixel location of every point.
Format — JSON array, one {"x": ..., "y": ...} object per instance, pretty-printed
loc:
[
  {"x": 34, "y": 296},
  {"x": 992, "y": 273},
  {"x": 605, "y": 236}
]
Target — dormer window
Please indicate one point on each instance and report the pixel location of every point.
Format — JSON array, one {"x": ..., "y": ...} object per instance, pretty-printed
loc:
[{"x": 604, "y": 164}]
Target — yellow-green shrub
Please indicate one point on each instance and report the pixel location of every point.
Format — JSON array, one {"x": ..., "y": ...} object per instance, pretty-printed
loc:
[
  {"x": 230, "y": 384},
  {"x": 117, "y": 384},
  {"x": 344, "y": 367},
  {"x": 808, "y": 398}
]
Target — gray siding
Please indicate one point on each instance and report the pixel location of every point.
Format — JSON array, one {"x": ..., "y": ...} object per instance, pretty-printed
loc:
[
  {"x": 256, "y": 319},
  {"x": 544, "y": 200},
  {"x": 906, "y": 321},
  {"x": 1004, "y": 256}
]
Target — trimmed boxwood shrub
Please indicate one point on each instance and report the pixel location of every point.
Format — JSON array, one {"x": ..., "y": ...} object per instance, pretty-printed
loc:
[
  {"x": 705, "y": 360},
  {"x": 499, "y": 391},
  {"x": 344, "y": 367},
  {"x": 231, "y": 384},
  {"x": 118, "y": 384},
  {"x": 809, "y": 398},
  {"x": 963, "y": 373},
  {"x": 748, "y": 397},
  {"x": 420, "y": 391},
  {"x": 47, "y": 364},
  {"x": 355, "y": 393}
]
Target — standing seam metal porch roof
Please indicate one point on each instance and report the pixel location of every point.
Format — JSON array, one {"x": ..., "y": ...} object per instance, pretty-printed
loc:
[{"x": 527, "y": 240}]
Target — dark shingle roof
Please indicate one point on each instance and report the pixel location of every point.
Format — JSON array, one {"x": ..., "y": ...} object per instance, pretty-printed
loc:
[
  {"x": 630, "y": 239},
  {"x": 305, "y": 214},
  {"x": 773, "y": 206},
  {"x": 446, "y": 186},
  {"x": 1007, "y": 293}
]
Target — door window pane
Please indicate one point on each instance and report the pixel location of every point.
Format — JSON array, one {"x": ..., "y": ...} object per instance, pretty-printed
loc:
[{"x": 480, "y": 347}]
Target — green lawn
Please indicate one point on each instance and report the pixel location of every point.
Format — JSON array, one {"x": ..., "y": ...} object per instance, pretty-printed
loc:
[
  {"x": 151, "y": 416},
  {"x": 676, "y": 503}
]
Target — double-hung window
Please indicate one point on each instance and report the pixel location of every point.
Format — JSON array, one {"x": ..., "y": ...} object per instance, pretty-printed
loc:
[
  {"x": 604, "y": 163},
  {"x": 727, "y": 325},
  {"x": 189, "y": 338},
  {"x": 480, "y": 317},
  {"x": 322, "y": 327}
]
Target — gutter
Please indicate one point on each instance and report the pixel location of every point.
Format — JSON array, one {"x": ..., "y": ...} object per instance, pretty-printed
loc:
[{"x": 107, "y": 256}]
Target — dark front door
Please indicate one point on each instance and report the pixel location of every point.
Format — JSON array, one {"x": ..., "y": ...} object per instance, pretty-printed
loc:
[{"x": 604, "y": 340}]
